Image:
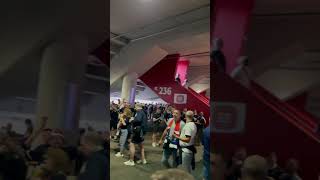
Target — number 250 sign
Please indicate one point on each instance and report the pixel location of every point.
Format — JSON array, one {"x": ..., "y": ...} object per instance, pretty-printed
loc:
[{"x": 163, "y": 90}]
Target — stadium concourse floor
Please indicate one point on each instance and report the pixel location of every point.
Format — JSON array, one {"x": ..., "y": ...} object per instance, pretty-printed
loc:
[{"x": 118, "y": 171}]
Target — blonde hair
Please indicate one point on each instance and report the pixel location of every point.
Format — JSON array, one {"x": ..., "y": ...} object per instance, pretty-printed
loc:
[
  {"x": 60, "y": 164},
  {"x": 60, "y": 159},
  {"x": 127, "y": 112},
  {"x": 171, "y": 174}
]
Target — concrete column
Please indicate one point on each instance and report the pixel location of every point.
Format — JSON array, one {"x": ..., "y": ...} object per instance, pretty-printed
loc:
[
  {"x": 60, "y": 80},
  {"x": 129, "y": 83}
]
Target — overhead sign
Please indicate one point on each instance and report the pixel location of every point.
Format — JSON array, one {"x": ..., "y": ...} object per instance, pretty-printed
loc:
[
  {"x": 229, "y": 117},
  {"x": 180, "y": 99},
  {"x": 163, "y": 90}
]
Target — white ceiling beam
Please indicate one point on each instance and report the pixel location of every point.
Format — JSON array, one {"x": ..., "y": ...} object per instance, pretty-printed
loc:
[{"x": 119, "y": 42}]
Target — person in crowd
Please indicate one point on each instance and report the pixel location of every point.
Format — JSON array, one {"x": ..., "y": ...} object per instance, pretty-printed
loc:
[
  {"x": 217, "y": 56},
  {"x": 150, "y": 111},
  {"x": 235, "y": 165},
  {"x": 168, "y": 113},
  {"x": 255, "y": 168},
  {"x": 51, "y": 139},
  {"x": 242, "y": 72},
  {"x": 37, "y": 143},
  {"x": 178, "y": 80},
  {"x": 137, "y": 136},
  {"x": 201, "y": 123},
  {"x": 291, "y": 170},
  {"x": 124, "y": 125},
  {"x": 129, "y": 113},
  {"x": 170, "y": 143},
  {"x": 56, "y": 166},
  {"x": 206, "y": 153},
  {"x": 187, "y": 140},
  {"x": 80, "y": 158},
  {"x": 217, "y": 166},
  {"x": 274, "y": 170},
  {"x": 114, "y": 119},
  {"x": 97, "y": 164},
  {"x": 9, "y": 131},
  {"x": 12, "y": 161},
  {"x": 157, "y": 120},
  {"x": 183, "y": 115},
  {"x": 29, "y": 128},
  {"x": 171, "y": 174},
  {"x": 195, "y": 115}
]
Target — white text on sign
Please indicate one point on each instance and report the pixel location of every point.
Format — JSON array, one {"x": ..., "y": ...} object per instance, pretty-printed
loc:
[{"x": 163, "y": 90}]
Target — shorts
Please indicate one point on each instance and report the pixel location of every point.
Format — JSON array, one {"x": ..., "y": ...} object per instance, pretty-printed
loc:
[
  {"x": 156, "y": 127},
  {"x": 137, "y": 137},
  {"x": 113, "y": 124}
]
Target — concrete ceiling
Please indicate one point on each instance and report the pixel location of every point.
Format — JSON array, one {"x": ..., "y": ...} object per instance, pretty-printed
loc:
[
  {"x": 283, "y": 46},
  {"x": 170, "y": 16},
  {"x": 30, "y": 25},
  {"x": 131, "y": 15}
]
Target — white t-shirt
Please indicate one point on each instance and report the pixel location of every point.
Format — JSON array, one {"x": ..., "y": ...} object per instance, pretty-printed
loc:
[{"x": 190, "y": 129}]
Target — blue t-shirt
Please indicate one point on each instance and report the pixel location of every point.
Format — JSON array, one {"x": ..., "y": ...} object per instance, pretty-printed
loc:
[{"x": 206, "y": 143}]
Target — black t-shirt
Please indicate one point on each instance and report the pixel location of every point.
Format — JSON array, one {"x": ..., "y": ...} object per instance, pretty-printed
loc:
[
  {"x": 168, "y": 116},
  {"x": 236, "y": 174},
  {"x": 286, "y": 176},
  {"x": 114, "y": 115},
  {"x": 275, "y": 172},
  {"x": 157, "y": 116},
  {"x": 72, "y": 152},
  {"x": 12, "y": 167},
  {"x": 133, "y": 111},
  {"x": 202, "y": 122},
  {"x": 219, "y": 59},
  {"x": 150, "y": 109},
  {"x": 38, "y": 153},
  {"x": 138, "y": 119},
  {"x": 125, "y": 126}
]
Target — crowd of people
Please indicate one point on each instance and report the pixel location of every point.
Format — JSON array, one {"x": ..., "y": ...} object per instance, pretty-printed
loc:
[
  {"x": 45, "y": 154},
  {"x": 255, "y": 167},
  {"x": 177, "y": 132}
]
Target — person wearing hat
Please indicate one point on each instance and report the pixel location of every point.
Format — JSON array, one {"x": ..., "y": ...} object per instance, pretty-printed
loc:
[
  {"x": 242, "y": 72},
  {"x": 138, "y": 126}
]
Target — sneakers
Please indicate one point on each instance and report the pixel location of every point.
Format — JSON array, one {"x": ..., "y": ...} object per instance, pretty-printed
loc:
[
  {"x": 129, "y": 163},
  {"x": 119, "y": 154},
  {"x": 142, "y": 162},
  {"x": 154, "y": 144}
]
